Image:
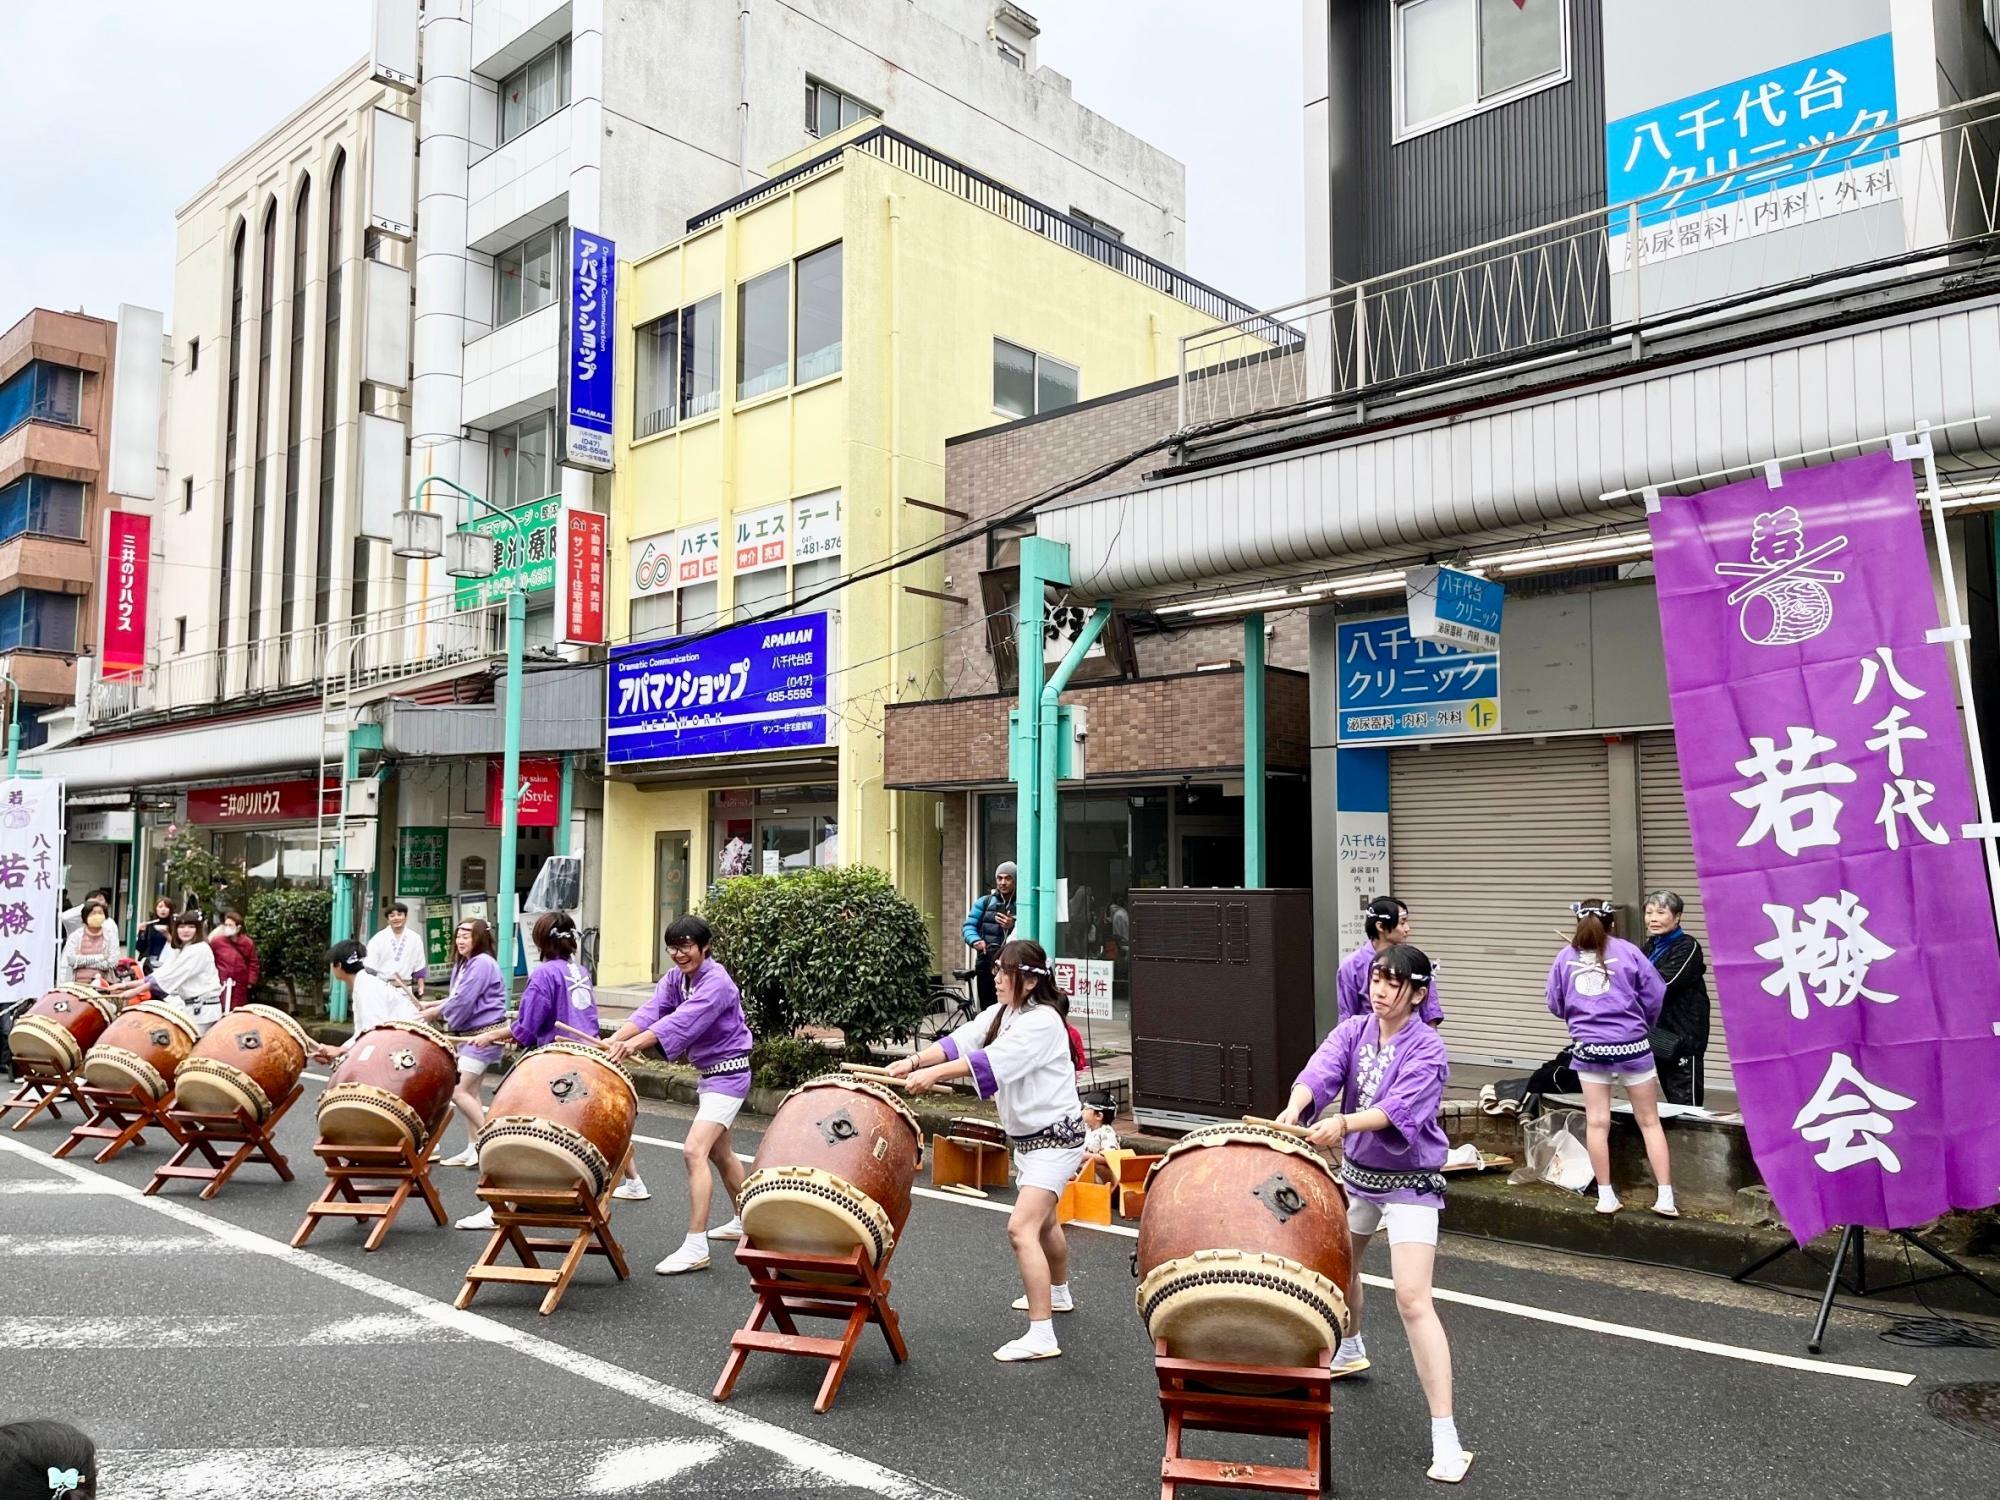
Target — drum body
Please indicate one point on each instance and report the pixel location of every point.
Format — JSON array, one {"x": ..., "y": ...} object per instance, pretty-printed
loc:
[
  {"x": 564, "y": 1115},
  {"x": 142, "y": 1049},
  {"x": 250, "y": 1060},
  {"x": 391, "y": 1088},
  {"x": 1243, "y": 1252},
  {"x": 833, "y": 1172},
  {"x": 63, "y": 1025}
]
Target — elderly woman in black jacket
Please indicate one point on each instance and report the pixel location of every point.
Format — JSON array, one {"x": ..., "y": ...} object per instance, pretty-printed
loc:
[{"x": 1684, "y": 1017}]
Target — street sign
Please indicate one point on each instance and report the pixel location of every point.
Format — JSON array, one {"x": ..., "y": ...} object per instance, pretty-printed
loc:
[
  {"x": 420, "y": 861},
  {"x": 1087, "y": 982},
  {"x": 536, "y": 567},
  {"x": 588, "y": 345},
  {"x": 1393, "y": 686},
  {"x": 1454, "y": 608}
]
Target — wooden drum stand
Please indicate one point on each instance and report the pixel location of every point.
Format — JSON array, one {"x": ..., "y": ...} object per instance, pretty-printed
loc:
[
  {"x": 1300, "y": 1405},
  {"x": 118, "y": 1116},
  {"x": 201, "y": 1133},
  {"x": 585, "y": 1220},
  {"x": 374, "y": 1182},
  {"x": 802, "y": 1286}
]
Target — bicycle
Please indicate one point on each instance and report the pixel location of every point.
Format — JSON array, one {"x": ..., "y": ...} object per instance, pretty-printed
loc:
[{"x": 949, "y": 1008}]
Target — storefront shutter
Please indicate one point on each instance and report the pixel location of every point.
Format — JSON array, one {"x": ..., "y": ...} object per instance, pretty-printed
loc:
[
  {"x": 1489, "y": 844},
  {"x": 1666, "y": 856}
]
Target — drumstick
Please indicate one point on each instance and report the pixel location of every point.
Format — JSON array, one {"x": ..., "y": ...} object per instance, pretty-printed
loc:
[
  {"x": 868, "y": 1070},
  {"x": 582, "y": 1036},
  {"x": 1298, "y": 1130}
]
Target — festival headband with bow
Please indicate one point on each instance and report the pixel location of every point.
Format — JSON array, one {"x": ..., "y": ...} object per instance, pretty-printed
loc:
[
  {"x": 62, "y": 1481},
  {"x": 1581, "y": 909}
]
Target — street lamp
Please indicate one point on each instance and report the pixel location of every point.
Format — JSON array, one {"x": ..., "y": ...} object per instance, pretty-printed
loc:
[
  {"x": 420, "y": 533},
  {"x": 13, "y": 724}
]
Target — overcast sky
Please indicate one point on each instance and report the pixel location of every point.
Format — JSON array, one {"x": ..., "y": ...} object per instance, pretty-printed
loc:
[{"x": 90, "y": 192}]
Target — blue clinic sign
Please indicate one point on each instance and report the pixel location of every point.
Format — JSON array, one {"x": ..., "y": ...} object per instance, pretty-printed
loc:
[
  {"x": 589, "y": 337},
  {"x": 1455, "y": 608},
  {"x": 751, "y": 687},
  {"x": 1396, "y": 687},
  {"x": 1739, "y": 129}
]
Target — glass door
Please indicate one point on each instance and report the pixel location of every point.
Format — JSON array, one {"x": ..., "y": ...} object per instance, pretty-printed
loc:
[{"x": 670, "y": 887}]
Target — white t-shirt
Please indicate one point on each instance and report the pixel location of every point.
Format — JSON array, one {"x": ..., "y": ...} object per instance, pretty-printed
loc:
[
  {"x": 1027, "y": 1072},
  {"x": 377, "y": 1001},
  {"x": 1100, "y": 1140}
]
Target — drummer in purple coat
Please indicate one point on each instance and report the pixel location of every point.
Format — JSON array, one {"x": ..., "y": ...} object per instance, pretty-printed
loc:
[
  {"x": 478, "y": 999},
  {"x": 1385, "y": 923},
  {"x": 697, "y": 1013},
  {"x": 1609, "y": 995},
  {"x": 1373, "y": 1090}
]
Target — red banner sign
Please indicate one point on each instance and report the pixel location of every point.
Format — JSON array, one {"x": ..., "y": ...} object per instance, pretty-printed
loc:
[
  {"x": 256, "y": 802},
  {"x": 580, "y": 565},
  {"x": 121, "y": 636},
  {"x": 541, "y": 793}
]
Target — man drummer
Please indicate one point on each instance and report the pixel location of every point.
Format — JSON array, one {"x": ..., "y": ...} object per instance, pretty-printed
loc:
[{"x": 376, "y": 1002}]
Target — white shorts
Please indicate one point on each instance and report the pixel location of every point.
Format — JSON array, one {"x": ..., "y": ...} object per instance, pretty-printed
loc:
[
  {"x": 1050, "y": 1168},
  {"x": 471, "y": 1069},
  {"x": 1409, "y": 1223},
  {"x": 720, "y": 1109},
  {"x": 1595, "y": 1075}
]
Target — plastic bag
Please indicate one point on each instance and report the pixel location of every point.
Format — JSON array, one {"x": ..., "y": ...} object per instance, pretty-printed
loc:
[
  {"x": 559, "y": 886},
  {"x": 1552, "y": 1151}
]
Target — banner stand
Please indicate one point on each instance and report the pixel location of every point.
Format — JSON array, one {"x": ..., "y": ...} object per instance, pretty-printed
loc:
[{"x": 1905, "y": 447}]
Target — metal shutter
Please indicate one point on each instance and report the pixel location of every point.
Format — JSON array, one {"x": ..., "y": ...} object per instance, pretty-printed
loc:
[
  {"x": 1489, "y": 844},
  {"x": 1666, "y": 856}
]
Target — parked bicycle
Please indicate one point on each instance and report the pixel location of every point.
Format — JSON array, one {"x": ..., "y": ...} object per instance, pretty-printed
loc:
[{"x": 951, "y": 1006}]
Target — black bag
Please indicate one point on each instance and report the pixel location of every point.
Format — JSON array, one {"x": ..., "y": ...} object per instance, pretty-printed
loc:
[{"x": 1669, "y": 1047}]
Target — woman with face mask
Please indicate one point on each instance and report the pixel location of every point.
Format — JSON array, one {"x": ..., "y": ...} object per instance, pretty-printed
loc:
[
  {"x": 235, "y": 960},
  {"x": 90, "y": 954}
]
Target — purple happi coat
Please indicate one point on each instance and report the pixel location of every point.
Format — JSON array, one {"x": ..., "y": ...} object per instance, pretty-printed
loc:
[
  {"x": 1403, "y": 1077},
  {"x": 702, "y": 1020},
  {"x": 1611, "y": 1001}
]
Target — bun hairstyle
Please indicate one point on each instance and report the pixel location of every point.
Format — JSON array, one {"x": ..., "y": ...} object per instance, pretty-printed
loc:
[
  {"x": 1405, "y": 965},
  {"x": 1029, "y": 961},
  {"x": 1596, "y": 924},
  {"x": 555, "y": 935},
  {"x": 1383, "y": 914}
]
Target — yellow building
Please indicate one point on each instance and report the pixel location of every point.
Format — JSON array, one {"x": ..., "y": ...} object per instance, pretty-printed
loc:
[{"x": 789, "y": 374}]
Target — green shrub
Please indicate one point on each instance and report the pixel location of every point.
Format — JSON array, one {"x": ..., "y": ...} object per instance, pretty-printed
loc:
[
  {"x": 837, "y": 947},
  {"x": 290, "y": 931},
  {"x": 195, "y": 876},
  {"x": 785, "y": 1062}
]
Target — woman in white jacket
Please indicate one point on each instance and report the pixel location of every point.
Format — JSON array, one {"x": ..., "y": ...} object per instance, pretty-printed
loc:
[
  {"x": 186, "y": 976},
  {"x": 91, "y": 952}
]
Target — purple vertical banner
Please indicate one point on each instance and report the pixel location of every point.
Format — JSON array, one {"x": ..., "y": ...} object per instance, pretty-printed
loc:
[{"x": 1828, "y": 789}]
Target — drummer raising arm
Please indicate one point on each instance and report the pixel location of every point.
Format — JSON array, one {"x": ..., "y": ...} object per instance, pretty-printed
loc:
[{"x": 1373, "y": 1089}]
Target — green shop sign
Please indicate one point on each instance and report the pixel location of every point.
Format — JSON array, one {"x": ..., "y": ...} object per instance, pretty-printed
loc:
[
  {"x": 420, "y": 854},
  {"x": 534, "y": 566}
]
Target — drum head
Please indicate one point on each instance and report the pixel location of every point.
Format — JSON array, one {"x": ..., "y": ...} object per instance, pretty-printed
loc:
[
  {"x": 1226, "y": 1307},
  {"x": 115, "y": 1068},
  {"x": 207, "y": 1087},
  {"x": 356, "y": 1114},
  {"x": 41, "y": 1040},
  {"x": 808, "y": 1211},
  {"x": 523, "y": 1151}
]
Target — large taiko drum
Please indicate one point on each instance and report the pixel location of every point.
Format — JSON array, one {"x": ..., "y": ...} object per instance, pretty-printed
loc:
[
  {"x": 142, "y": 1049},
  {"x": 1243, "y": 1252},
  {"x": 833, "y": 1172},
  {"x": 250, "y": 1060},
  {"x": 564, "y": 1115},
  {"x": 391, "y": 1088},
  {"x": 63, "y": 1025}
]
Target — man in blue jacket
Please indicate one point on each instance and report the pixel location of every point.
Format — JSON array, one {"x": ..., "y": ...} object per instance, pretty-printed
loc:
[{"x": 988, "y": 926}]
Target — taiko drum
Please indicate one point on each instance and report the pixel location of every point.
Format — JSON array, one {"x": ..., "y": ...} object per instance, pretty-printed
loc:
[
  {"x": 564, "y": 1115},
  {"x": 63, "y": 1025},
  {"x": 833, "y": 1172},
  {"x": 142, "y": 1049},
  {"x": 250, "y": 1060},
  {"x": 392, "y": 1087},
  {"x": 1243, "y": 1252}
]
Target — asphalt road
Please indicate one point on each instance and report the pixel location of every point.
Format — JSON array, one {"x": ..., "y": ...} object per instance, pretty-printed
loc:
[{"x": 206, "y": 1358}]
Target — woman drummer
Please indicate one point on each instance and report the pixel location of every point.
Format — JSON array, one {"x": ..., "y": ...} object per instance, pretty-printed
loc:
[
  {"x": 478, "y": 999},
  {"x": 1373, "y": 1090},
  {"x": 1017, "y": 1053},
  {"x": 697, "y": 1013},
  {"x": 558, "y": 995}
]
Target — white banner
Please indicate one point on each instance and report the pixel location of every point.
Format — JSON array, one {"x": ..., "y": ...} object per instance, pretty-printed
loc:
[
  {"x": 1087, "y": 982},
  {"x": 760, "y": 540},
  {"x": 652, "y": 560},
  {"x": 698, "y": 554},
  {"x": 816, "y": 526},
  {"x": 31, "y": 823}
]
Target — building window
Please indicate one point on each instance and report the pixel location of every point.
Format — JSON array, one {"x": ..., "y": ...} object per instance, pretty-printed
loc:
[
  {"x": 1011, "y": 55},
  {"x": 659, "y": 358},
  {"x": 761, "y": 334},
  {"x": 260, "y": 446},
  {"x": 41, "y": 392},
  {"x": 1026, "y": 384},
  {"x": 295, "y": 409},
  {"x": 828, "y": 110},
  {"x": 698, "y": 606},
  {"x": 819, "y": 295},
  {"x": 760, "y": 593},
  {"x": 181, "y": 636},
  {"x": 34, "y": 620},
  {"x": 518, "y": 462},
  {"x": 653, "y": 615},
  {"x": 680, "y": 366},
  {"x": 1456, "y": 57},
  {"x": 535, "y": 92},
  {"x": 701, "y": 357},
  {"x": 187, "y": 493},
  {"x": 329, "y": 396},
  {"x": 38, "y": 505},
  {"x": 194, "y": 355},
  {"x": 525, "y": 275}
]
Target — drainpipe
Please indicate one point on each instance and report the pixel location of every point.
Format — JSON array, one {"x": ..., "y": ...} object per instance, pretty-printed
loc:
[
  {"x": 1047, "y": 765},
  {"x": 742, "y": 95}
]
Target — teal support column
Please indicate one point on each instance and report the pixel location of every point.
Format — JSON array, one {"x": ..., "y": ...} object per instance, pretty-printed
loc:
[
  {"x": 1049, "y": 767},
  {"x": 1253, "y": 752},
  {"x": 568, "y": 803},
  {"x": 510, "y": 778},
  {"x": 1042, "y": 563},
  {"x": 340, "y": 923}
]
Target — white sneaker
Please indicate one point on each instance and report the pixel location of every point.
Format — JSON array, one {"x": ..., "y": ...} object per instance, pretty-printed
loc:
[
  {"x": 1056, "y": 1304},
  {"x": 733, "y": 1230},
  {"x": 481, "y": 1220},
  {"x": 469, "y": 1157},
  {"x": 687, "y": 1258},
  {"x": 632, "y": 1190},
  {"x": 1023, "y": 1349}
]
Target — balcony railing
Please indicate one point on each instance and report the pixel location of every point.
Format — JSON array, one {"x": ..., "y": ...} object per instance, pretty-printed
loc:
[
  {"x": 372, "y": 651},
  {"x": 1922, "y": 193}
]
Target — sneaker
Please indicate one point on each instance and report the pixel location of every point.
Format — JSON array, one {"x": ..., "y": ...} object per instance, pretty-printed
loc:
[
  {"x": 1056, "y": 1304},
  {"x": 685, "y": 1259},
  {"x": 1448, "y": 1470},
  {"x": 481, "y": 1220},
  {"x": 733, "y": 1230},
  {"x": 1021, "y": 1350},
  {"x": 632, "y": 1190},
  {"x": 469, "y": 1157}
]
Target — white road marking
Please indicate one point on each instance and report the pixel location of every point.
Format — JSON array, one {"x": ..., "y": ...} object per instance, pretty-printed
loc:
[
  {"x": 112, "y": 1244},
  {"x": 822, "y": 1459},
  {"x": 42, "y": 1185},
  {"x": 261, "y": 1330}
]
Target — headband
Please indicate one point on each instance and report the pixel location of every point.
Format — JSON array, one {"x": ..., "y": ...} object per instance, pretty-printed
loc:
[
  {"x": 1581, "y": 909},
  {"x": 1421, "y": 979}
]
